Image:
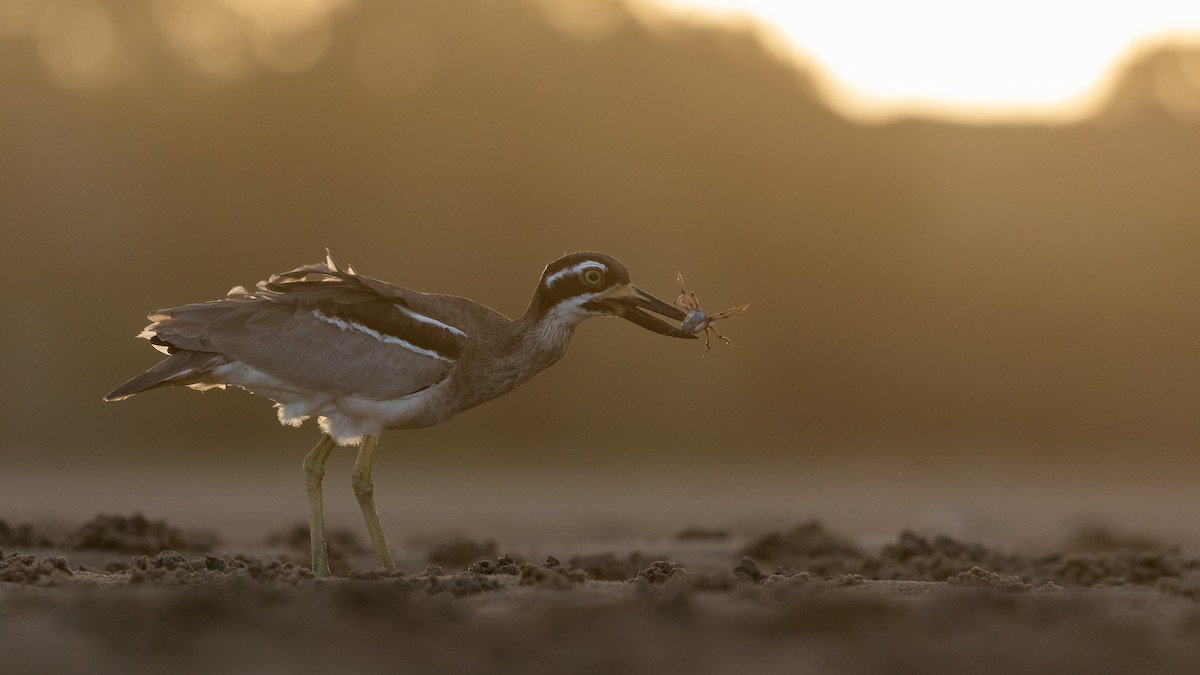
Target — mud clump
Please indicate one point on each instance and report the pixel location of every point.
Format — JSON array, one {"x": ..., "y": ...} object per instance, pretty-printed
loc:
[
  {"x": 608, "y": 567},
  {"x": 29, "y": 570},
  {"x": 505, "y": 564},
  {"x": 1096, "y": 538},
  {"x": 169, "y": 568},
  {"x": 660, "y": 572},
  {"x": 917, "y": 558},
  {"x": 1119, "y": 568},
  {"x": 551, "y": 574},
  {"x": 910, "y": 547},
  {"x": 23, "y": 536},
  {"x": 460, "y": 552},
  {"x": 463, "y": 585},
  {"x": 977, "y": 577},
  {"x": 940, "y": 558},
  {"x": 136, "y": 534},
  {"x": 376, "y": 574},
  {"x": 340, "y": 544},
  {"x": 294, "y": 538},
  {"x": 807, "y": 541},
  {"x": 790, "y": 576},
  {"x": 811, "y": 548},
  {"x": 747, "y": 570},
  {"x": 297, "y": 538}
]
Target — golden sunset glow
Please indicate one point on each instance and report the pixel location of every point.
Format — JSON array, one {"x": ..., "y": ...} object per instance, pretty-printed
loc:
[
  {"x": 1033, "y": 58},
  {"x": 1024, "y": 60}
]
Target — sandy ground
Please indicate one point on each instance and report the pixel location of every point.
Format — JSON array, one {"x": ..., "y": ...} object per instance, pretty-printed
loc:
[{"x": 127, "y": 594}]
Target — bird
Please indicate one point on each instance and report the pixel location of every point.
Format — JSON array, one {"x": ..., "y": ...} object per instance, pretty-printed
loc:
[{"x": 364, "y": 356}]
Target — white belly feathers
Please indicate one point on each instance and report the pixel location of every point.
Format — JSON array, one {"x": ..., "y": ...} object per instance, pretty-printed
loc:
[{"x": 346, "y": 418}]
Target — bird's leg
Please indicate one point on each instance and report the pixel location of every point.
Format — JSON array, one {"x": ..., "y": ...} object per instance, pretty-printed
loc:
[
  {"x": 314, "y": 471},
  {"x": 364, "y": 489}
]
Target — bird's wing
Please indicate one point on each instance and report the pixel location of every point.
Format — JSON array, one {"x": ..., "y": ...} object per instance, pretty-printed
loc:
[{"x": 323, "y": 328}]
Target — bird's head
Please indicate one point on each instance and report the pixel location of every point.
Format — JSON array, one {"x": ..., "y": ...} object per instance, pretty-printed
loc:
[{"x": 587, "y": 284}]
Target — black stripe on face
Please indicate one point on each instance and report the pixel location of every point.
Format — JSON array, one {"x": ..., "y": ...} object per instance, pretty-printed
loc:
[
  {"x": 388, "y": 319},
  {"x": 578, "y": 274}
]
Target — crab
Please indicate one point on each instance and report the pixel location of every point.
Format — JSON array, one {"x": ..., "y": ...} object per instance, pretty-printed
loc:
[{"x": 697, "y": 319}]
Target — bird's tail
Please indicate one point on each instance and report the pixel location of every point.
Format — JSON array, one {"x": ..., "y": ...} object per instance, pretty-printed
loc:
[{"x": 181, "y": 368}]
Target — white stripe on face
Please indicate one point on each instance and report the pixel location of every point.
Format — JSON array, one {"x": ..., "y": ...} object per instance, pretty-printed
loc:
[
  {"x": 433, "y": 322},
  {"x": 386, "y": 339},
  {"x": 574, "y": 269},
  {"x": 573, "y": 306}
]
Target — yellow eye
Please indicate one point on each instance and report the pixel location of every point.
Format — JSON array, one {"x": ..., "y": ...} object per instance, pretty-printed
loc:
[{"x": 592, "y": 276}]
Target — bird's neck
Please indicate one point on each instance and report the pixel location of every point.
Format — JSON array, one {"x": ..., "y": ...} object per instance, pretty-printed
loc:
[
  {"x": 544, "y": 336},
  {"x": 517, "y": 351}
]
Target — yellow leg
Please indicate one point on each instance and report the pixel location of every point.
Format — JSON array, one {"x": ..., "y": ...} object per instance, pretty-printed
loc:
[
  {"x": 314, "y": 471},
  {"x": 364, "y": 489}
]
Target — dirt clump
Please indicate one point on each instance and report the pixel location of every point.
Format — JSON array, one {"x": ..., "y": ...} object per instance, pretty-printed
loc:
[
  {"x": 660, "y": 572},
  {"x": 462, "y": 585},
  {"x": 1119, "y": 568},
  {"x": 747, "y": 570},
  {"x": 807, "y": 541},
  {"x": 551, "y": 574},
  {"x": 505, "y": 564},
  {"x": 169, "y": 568},
  {"x": 23, "y": 536},
  {"x": 136, "y": 534},
  {"x": 337, "y": 540},
  {"x": 340, "y": 545},
  {"x": 608, "y": 567},
  {"x": 912, "y": 557},
  {"x": 460, "y": 552},
  {"x": 916, "y": 558},
  {"x": 1094, "y": 537},
  {"x": 29, "y": 570},
  {"x": 978, "y": 577}
]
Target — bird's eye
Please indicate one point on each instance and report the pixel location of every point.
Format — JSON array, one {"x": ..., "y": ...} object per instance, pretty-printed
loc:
[{"x": 592, "y": 276}]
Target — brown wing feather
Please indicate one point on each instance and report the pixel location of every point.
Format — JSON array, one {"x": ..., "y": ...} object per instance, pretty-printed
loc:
[
  {"x": 180, "y": 368},
  {"x": 319, "y": 327}
]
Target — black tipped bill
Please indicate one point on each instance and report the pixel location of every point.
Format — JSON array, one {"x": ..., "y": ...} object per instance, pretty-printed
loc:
[{"x": 627, "y": 301}]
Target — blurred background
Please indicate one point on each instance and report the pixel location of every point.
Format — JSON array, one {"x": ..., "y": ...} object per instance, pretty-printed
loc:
[{"x": 973, "y": 310}]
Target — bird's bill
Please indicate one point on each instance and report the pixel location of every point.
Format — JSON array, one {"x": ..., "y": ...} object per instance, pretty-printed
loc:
[{"x": 628, "y": 301}]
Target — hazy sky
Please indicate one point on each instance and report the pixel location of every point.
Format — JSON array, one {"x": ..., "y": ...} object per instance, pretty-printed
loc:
[
  {"x": 988, "y": 61},
  {"x": 1035, "y": 54}
]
